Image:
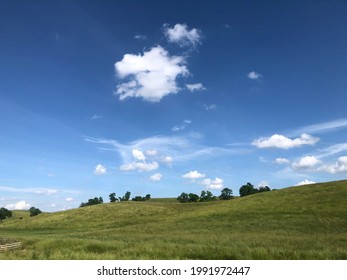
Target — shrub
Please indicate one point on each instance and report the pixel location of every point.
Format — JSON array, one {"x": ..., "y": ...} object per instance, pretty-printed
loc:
[{"x": 34, "y": 211}]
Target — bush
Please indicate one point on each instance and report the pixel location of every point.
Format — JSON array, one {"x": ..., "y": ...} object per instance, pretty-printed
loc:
[
  {"x": 34, "y": 211},
  {"x": 92, "y": 201},
  {"x": 5, "y": 213},
  {"x": 140, "y": 198}
]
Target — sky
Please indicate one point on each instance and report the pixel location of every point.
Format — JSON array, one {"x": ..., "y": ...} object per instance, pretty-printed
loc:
[{"x": 165, "y": 97}]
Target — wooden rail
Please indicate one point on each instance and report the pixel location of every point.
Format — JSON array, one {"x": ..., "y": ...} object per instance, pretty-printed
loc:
[{"x": 10, "y": 246}]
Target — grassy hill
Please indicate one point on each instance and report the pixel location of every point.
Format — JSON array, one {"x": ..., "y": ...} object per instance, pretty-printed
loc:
[{"x": 306, "y": 222}]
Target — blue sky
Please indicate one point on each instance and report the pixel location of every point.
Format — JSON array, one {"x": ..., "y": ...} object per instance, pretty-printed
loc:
[{"x": 113, "y": 96}]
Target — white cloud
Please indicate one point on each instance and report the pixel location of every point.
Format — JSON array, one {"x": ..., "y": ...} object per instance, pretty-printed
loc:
[
  {"x": 195, "y": 87},
  {"x": 168, "y": 160},
  {"x": 156, "y": 177},
  {"x": 323, "y": 127},
  {"x": 181, "y": 35},
  {"x": 140, "y": 37},
  {"x": 151, "y": 152},
  {"x": 305, "y": 182},
  {"x": 95, "y": 117},
  {"x": 263, "y": 184},
  {"x": 282, "y": 142},
  {"x": 193, "y": 175},
  {"x": 334, "y": 149},
  {"x": 254, "y": 76},
  {"x": 21, "y": 205},
  {"x": 210, "y": 107},
  {"x": 281, "y": 161},
  {"x": 45, "y": 191},
  {"x": 100, "y": 170},
  {"x": 215, "y": 184},
  {"x": 138, "y": 154},
  {"x": 152, "y": 75},
  {"x": 69, "y": 199},
  {"x": 182, "y": 149},
  {"x": 339, "y": 167},
  {"x": 182, "y": 126},
  {"x": 306, "y": 162},
  {"x": 140, "y": 166}
]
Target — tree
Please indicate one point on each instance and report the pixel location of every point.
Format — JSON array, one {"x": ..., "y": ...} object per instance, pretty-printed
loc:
[
  {"x": 183, "y": 197},
  {"x": 92, "y": 201},
  {"x": 148, "y": 196},
  {"x": 126, "y": 197},
  {"x": 247, "y": 190},
  {"x": 207, "y": 196},
  {"x": 226, "y": 194},
  {"x": 113, "y": 197},
  {"x": 5, "y": 213},
  {"x": 264, "y": 189},
  {"x": 139, "y": 198},
  {"x": 34, "y": 211},
  {"x": 193, "y": 197}
]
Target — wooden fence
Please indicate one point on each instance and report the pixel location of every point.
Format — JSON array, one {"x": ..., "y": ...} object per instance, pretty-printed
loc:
[{"x": 10, "y": 246}]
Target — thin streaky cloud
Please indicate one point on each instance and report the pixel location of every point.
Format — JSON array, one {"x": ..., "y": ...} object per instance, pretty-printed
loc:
[
  {"x": 332, "y": 150},
  {"x": 95, "y": 117},
  {"x": 321, "y": 127},
  {"x": 29, "y": 190}
]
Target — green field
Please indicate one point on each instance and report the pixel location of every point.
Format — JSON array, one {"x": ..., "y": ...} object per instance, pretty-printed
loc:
[{"x": 306, "y": 222}]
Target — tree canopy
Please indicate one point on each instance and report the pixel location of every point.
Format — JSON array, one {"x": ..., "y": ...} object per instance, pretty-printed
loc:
[
  {"x": 113, "y": 197},
  {"x": 249, "y": 189},
  {"x": 5, "y": 213},
  {"x": 226, "y": 194},
  {"x": 34, "y": 211},
  {"x": 92, "y": 201}
]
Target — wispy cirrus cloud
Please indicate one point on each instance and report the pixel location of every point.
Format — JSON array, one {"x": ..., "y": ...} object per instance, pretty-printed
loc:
[
  {"x": 182, "y": 126},
  {"x": 321, "y": 127},
  {"x": 332, "y": 150},
  {"x": 95, "y": 117},
  {"x": 210, "y": 107},
  {"x": 153, "y": 151},
  {"x": 39, "y": 191},
  {"x": 195, "y": 87},
  {"x": 140, "y": 166}
]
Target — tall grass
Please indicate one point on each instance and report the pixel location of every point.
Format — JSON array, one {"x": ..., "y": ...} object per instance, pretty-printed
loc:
[{"x": 307, "y": 222}]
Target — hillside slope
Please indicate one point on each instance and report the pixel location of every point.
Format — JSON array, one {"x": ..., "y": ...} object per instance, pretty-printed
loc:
[{"x": 306, "y": 222}]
